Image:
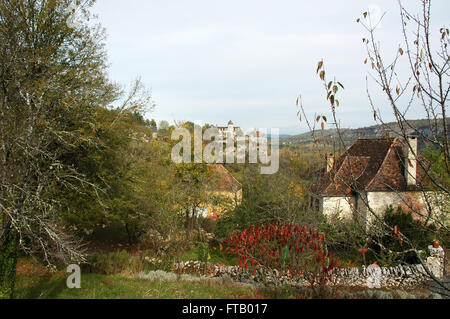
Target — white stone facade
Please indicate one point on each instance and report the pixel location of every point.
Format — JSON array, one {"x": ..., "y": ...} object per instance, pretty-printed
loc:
[
  {"x": 347, "y": 206},
  {"x": 342, "y": 205}
]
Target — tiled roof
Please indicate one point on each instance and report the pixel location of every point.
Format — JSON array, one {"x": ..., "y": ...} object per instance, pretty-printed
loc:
[
  {"x": 375, "y": 164},
  {"x": 226, "y": 128},
  {"x": 222, "y": 180}
]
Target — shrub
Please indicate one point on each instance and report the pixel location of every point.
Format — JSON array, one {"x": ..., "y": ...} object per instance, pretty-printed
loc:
[
  {"x": 207, "y": 224},
  {"x": 111, "y": 263},
  {"x": 289, "y": 248},
  {"x": 149, "y": 263},
  {"x": 203, "y": 252},
  {"x": 153, "y": 240},
  {"x": 419, "y": 235},
  {"x": 344, "y": 237},
  {"x": 224, "y": 227}
]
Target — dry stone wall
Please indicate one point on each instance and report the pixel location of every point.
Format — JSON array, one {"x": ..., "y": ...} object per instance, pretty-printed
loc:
[
  {"x": 372, "y": 276},
  {"x": 399, "y": 276}
]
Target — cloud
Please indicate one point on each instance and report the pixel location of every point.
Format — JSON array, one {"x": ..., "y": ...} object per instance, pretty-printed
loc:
[{"x": 246, "y": 60}]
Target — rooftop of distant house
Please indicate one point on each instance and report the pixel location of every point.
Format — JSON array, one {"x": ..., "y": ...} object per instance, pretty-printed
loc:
[
  {"x": 370, "y": 164},
  {"x": 230, "y": 123},
  {"x": 223, "y": 180}
]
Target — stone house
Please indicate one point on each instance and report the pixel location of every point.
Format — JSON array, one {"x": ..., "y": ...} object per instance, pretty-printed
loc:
[
  {"x": 373, "y": 174},
  {"x": 229, "y": 131}
]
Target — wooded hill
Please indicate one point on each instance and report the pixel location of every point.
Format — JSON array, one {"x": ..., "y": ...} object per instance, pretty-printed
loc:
[{"x": 350, "y": 135}]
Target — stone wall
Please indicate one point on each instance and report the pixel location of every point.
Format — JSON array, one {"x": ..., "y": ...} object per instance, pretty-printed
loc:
[
  {"x": 372, "y": 276},
  {"x": 386, "y": 277}
]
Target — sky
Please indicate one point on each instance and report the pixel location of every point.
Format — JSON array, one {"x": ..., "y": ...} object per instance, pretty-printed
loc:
[{"x": 211, "y": 61}]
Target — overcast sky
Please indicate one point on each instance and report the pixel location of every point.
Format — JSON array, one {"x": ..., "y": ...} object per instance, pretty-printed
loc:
[{"x": 211, "y": 61}]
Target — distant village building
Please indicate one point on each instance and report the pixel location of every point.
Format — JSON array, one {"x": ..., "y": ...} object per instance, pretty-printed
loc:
[
  {"x": 233, "y": 131},
  {"x": 375, "y": 173},
  {"x": 230, "y": 130},
  {"x": 242, "y": 143}
]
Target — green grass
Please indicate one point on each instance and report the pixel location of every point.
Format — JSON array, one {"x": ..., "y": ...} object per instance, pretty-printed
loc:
[
  {"x": 95, "y": 286},
  {"x": 215, "y": 257},
  {"x": 35, "y": 282}
]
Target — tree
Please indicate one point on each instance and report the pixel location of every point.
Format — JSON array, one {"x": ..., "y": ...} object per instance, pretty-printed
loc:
[
  {"x": 163, "y": 125},
  {"x": 53, "y": 83},
  {"x": 267, "y": 198},
  {"x": 425, "y": 83},
  {"x": 116, "y": 163},
  {"x": 152, "y": 124}
]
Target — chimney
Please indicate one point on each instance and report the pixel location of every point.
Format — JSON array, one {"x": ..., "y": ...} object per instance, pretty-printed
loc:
[
  {"x": 330, "y": 162},
  {"x": 411, "y": 161}
]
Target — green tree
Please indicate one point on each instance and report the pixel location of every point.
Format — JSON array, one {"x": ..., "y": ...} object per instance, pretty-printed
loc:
[
  {"x": 163, "y": 125},
  {"x": 113, "y": 163},
  {"x": 53, "y": 88},
  {"x": 265, "y": 199},
  {"x": 152, "y": 124}
]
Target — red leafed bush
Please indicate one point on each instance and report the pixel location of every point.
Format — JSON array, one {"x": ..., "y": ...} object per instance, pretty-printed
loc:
[{"x": 290, "y": 248}]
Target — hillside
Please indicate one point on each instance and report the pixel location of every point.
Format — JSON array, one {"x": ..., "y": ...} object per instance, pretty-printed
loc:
[{"x": 350, "y": 135}]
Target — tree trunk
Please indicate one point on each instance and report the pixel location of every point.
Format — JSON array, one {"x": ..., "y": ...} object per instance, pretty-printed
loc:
[
  {"x": 128, "y": 234},
  {"x": 188, "y": 225},
  {"x": 8, "y": 261}
]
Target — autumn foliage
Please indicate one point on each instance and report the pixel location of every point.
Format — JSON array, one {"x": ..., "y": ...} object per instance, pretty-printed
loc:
[{"x": 292, "y": 249}]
